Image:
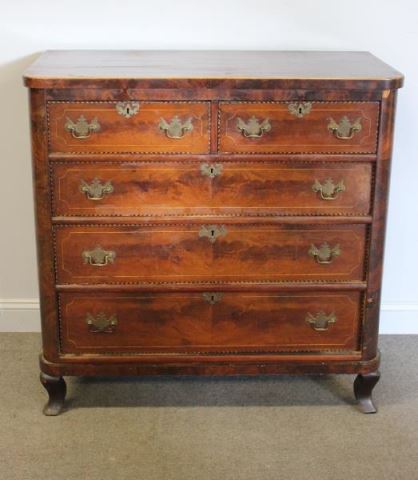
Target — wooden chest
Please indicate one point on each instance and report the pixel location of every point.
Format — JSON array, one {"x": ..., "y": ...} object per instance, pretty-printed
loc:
[{"x": 211, "y": 213}]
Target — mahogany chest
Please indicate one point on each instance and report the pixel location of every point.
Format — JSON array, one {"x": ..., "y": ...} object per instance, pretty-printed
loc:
[{"x": 212, "y": 213}]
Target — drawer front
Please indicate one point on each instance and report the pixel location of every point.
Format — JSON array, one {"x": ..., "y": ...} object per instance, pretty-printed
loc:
[
  {"x": 209, "y": 322},
  {"x": 283, "y": 127},
  {"x": 205, "y": 188},
  {"x": 209, "y": 253},
  {"x": 108, "y": 127}
]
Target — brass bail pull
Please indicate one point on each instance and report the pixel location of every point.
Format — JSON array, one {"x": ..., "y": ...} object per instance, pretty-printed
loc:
[
  {"x": 324, "y": 254},
  {"x": 253, "y": 128},
  {"x": 101, "y": 323},
  {"x": 328, "y": 190},
  {"x": 98, "y": 257},
  {"x": 321, "y": 321},
  {"x": 82, "y": 129},
  {"x": 344, "y": 129},
  {"x": 96, "y": 190},
  {"x": 176, "y": 129}
]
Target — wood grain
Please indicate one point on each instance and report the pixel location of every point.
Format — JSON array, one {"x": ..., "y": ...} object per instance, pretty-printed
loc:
[
  {"x": 139, "y": 133},
  {"x": 300, "y": 69},
  {"x": 262, "y": 197},
  {"x": 176, "y": 253},
  {"x": 290, "y": 134},
  {"x": 186, "y": 322},
  {"x": 181, "y": 189},
  {"x": 378, "y": 229},
  {"x": 44, "y": 239}
]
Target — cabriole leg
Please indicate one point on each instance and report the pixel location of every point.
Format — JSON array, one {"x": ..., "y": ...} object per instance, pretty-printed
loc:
[
  {"x": 363, "y": 386},
  {"x": 56, "y": 388}
]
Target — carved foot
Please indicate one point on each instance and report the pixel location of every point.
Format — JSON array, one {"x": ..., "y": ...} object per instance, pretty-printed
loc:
[
  {"x": 56, "y": 388},
  {"x": 363, "y": 386}
]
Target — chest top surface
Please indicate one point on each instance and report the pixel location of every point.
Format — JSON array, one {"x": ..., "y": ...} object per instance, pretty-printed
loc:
[{"x": 305, "y": 69}]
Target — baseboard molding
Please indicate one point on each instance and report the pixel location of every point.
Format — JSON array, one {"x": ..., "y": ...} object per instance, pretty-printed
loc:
[
  {"x": 399, "y": 318},
  {"x": 22, "y": 315}
]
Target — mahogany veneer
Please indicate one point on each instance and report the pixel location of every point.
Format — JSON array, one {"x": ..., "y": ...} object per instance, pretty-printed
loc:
[
  {"x": 134, "y": 134},
  {"x": 295, "y": 134},
  {"x": 177, "y": 253},
  {"x": 211, "y": 213},
  {"x": 187, "y": 322},
  {"x": 245, "y": 188}
]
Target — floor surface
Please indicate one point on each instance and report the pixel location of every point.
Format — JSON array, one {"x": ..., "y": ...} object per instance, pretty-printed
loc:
[{"x": 262, "y": 428}]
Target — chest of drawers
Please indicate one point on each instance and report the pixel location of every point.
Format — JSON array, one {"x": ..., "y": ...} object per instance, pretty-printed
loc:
[{"x": 214, "y": 213}]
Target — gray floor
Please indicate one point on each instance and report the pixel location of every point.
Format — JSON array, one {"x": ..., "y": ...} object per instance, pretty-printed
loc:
[{"x": 209, "y": 428}]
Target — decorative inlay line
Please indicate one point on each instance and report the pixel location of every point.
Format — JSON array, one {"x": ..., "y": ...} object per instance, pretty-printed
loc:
[
  {"x": 226, "y": 215},
  {"x": 210, "y": 282},
  {"x": 106, "y": 102},
  {"x": 247, "y": 349},
  {"x": 191, "y": 224},
  {"x": 293, "y": 211},
  {"x": 290, "y": 152}
]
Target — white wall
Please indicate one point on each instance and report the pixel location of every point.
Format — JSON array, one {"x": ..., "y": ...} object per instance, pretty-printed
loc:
[{"x": 386, "y": 28}]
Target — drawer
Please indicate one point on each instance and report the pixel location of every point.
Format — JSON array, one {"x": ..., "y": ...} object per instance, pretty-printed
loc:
[
  {"x": 209, "y": 322},
  {"x": 283, "y": 127},
  {"x": 206, "y": 188},
  {"x": 189, "y": 253},
  {"x": 141, "y": 127}
]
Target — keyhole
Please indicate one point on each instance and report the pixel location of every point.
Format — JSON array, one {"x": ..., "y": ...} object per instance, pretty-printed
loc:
[
  {"x": 127, "y": 110},
  {"x": 211, "y": 170},
  {"x": 212, "y": 298},
  {"x": 212, "y": 233},
  {"x": 300, "y": 110}
]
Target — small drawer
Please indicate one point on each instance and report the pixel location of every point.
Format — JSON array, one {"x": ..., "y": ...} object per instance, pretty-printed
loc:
[
  {"x": 125, "y": 127},
  {"x": 192, "y": 253},
  {"x": 291, "y": 127},
  {"x": 209, "y": 322},
  {"x": 206, "y": 188}
]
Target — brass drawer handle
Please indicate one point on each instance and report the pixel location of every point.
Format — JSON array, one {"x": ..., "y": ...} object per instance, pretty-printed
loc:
[
  {"x": 96, "y": 190},
  {"x": 320, "y": 322},
  {"x": 300, "y": 109},
  {"x": 127, "y": 109},
  {"x": 100, "y": 323},
  {"x": 328, "y": 190},
  {"x": 253, "y": 128},
  {"x": 211, "y": 170},
  {"x": 212, "y": 232},
  {"x": 344, "y": 130},
  {"x": 324, "y": 254},
  {"x": 82, "y": 128},
  {"x": 176, "y": 129},
  {"x": 212, "y": 297},
  {"x": 98, "y": 257}
]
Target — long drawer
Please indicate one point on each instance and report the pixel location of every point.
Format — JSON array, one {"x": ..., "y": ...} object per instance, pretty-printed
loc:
[
  {"x": 141, "y": 127},
  {"x": 292, "y": 127},
  {"x": 210, "y": 188},
  {"x": 209, "y": 322},
  {"x": 209, "y": 253}
]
